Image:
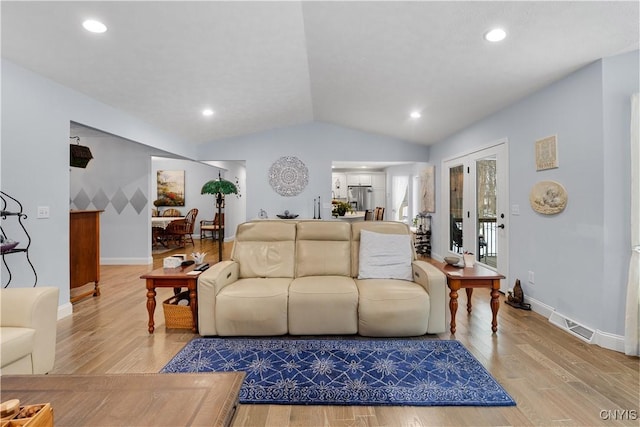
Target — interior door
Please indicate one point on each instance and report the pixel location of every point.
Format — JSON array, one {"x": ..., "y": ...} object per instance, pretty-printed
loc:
[{"x": 475, "y": 195}]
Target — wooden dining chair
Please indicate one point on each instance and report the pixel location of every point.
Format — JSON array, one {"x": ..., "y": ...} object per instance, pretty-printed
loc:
[
  {"x": 378, "y": 214},
  {"x": 179, "y": 230},
  {"x": 172, "y": 212},
  {"x": 216, "y": 227},
  {"x": 368, "y": 215}
]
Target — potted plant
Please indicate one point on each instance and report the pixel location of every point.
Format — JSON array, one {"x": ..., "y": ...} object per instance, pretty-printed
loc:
[{"x": 340, "y": 208}]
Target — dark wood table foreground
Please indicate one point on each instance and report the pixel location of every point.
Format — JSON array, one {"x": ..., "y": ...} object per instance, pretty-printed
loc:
[{"x": 205, "y": 399}]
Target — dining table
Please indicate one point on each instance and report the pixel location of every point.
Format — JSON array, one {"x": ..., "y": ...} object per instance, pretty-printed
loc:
[{"x": 161, "y": 222}]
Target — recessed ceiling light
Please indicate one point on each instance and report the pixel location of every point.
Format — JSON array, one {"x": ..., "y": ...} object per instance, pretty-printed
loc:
[
  {"x": 415, "y": 115},
  {"x": 94, "y": 26},
  {"x": 207, "y": 112},
  {"x": 495, "y": 35}
]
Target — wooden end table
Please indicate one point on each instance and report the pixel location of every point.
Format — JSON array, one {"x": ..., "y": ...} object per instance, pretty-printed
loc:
[
  {"x": 468, "y": 278},
  {"x": 204, "y": 399},
  {"x": 176, "y": 278}
]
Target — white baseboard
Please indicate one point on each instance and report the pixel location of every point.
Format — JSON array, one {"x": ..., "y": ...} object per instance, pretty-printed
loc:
[
  {"x": 540, "y": 307},
  {"x": 609, "y": 341},
  {"x": 126, "y": 261},
  {"x": 65, "y": 310},
  {"x": 603, "y": 339}
]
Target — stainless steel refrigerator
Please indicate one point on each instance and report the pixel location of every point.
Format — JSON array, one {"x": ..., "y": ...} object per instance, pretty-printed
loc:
[{"x": 360, "y": 197}]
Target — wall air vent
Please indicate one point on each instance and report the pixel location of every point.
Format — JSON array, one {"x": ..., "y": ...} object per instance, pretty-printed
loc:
[{"x": 572, "y": 327}]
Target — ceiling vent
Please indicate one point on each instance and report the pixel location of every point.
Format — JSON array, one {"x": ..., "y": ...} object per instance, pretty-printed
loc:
[
  {"x": 79, "y": 154},
  {"x": 572, "y": 327}
]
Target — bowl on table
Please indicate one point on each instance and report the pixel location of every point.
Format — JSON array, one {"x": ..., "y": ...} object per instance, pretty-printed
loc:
[
  {"x": 287, "y": 216},
  {"x": 452, "y": 260}
]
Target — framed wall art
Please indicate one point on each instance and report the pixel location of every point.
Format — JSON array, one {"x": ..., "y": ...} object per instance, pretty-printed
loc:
[
  {"x": 547, "y": 153},
  {"x": 170, "y": 188},
  {"x": 428, "y": 189}
]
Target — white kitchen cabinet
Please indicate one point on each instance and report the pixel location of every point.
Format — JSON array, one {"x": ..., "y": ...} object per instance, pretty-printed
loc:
[
  {"x": 358, "y": 179},
  {"x": 378, "y": 181}
]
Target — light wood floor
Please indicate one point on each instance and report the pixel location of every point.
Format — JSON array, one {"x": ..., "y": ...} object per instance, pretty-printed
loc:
[{"x": 555, "y": 378}]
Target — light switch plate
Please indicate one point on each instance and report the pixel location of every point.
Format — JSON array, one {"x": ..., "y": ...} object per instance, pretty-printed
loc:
[{"x": 43, "y": 212}]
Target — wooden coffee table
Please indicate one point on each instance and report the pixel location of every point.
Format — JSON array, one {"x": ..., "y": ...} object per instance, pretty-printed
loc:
[
  {"x": 469, "y": 278},
  {"x": 205, "y": 399},
  {"x": 176, "y": 278}
]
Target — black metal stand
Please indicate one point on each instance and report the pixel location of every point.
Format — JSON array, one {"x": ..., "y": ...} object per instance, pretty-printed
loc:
[
  {"x": 423, "y": 236},
  {"x": 219, "y": 202},
  {"x": 20, "y": 216}
]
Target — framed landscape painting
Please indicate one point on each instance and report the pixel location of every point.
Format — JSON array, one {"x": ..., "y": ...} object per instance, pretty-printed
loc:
[{"x": 170, "y": 188}]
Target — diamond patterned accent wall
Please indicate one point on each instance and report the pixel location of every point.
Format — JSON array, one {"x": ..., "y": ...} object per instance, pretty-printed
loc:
[
  {"x": 81, "y": 201},
  {"x": 119, "y": 200}
]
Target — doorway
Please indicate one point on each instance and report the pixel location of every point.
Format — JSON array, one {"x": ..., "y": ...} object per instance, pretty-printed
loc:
[{"x": 475, "y": 197}]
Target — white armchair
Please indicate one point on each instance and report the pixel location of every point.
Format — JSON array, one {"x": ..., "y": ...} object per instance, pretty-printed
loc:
[{"x": 28, "y": 330}]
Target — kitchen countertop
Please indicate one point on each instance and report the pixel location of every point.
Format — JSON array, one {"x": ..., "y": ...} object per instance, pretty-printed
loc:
[{"x": 355, "y": 216}]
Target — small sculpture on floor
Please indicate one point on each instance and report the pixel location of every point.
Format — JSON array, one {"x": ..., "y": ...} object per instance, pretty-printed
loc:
[{"x": 516, "y": 298}]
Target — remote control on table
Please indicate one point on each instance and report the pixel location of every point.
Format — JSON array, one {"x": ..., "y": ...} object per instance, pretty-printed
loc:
[{"x": 202, "y": 267}]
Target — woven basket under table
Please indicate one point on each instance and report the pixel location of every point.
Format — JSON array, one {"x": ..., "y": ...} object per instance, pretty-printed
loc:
[{"x": 177, "y": 316}]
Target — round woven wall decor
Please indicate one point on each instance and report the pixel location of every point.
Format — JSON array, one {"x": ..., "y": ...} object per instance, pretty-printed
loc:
[{"x": 288, "y": 176}]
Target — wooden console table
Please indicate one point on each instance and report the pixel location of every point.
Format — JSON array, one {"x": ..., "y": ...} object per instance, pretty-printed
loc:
[
  {"x": 176, "y": 278},
  {"x": 84, "y": 251},
  {"x": 204, "y": 399},
  {"x": 469, "y": 278}
]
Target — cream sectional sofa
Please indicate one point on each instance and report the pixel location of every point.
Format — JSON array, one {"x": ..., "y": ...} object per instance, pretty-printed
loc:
[{"x": 302, "y": 278}]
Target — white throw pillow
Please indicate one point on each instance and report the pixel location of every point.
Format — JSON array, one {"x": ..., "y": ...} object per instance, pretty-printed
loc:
[{"x": 385, "y": 256}]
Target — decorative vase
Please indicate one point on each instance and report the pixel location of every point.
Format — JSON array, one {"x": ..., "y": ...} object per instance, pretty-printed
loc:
[{"x": 469, "y": 259}]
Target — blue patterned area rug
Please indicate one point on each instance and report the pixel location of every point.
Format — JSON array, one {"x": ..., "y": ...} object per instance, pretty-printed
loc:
[{"x": 347, "y": 372}]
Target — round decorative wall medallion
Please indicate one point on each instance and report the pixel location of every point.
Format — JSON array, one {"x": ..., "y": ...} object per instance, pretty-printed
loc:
[
  {"x": 548, "y": 197},
  {"x": 288, "y": 176}
]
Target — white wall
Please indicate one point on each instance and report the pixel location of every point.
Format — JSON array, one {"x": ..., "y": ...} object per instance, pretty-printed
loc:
[
  {"x": 36, "y": 113},
  {"x": 620, "y": 80},
  {"x": 123, "y": 173},
  {"x": 116, "y": 181},
  {"x": 317, "y": 145},
  {"x": 579, "y": 256}
]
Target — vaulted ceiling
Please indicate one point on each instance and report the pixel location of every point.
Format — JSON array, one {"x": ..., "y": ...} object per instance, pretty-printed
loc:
[{"x": 264, "y": 65}]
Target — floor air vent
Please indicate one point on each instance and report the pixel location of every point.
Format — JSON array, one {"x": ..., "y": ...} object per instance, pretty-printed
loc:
[{"x": 572, "y": 327}]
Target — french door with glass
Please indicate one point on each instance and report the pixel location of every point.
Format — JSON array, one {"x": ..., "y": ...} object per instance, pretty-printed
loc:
[{"x": 475, "y": 200}]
